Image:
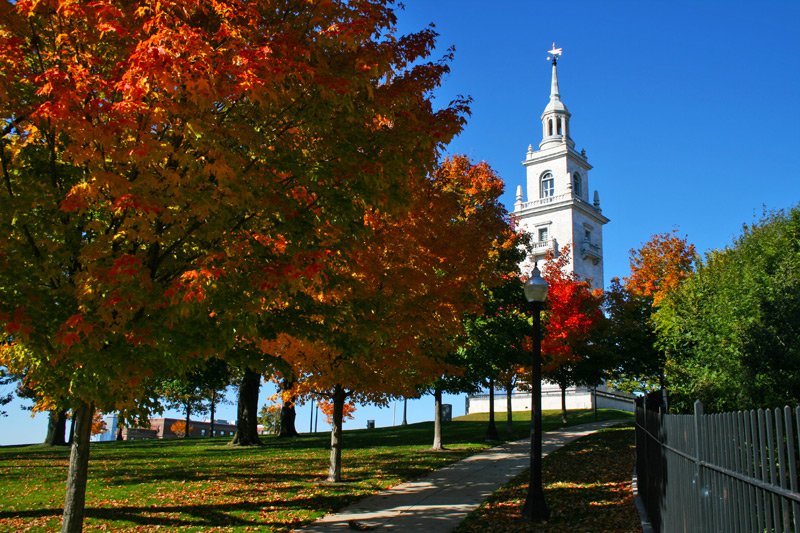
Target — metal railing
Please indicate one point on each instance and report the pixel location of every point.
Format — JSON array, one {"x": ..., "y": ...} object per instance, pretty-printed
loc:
[{"x": 719, "y": 472}]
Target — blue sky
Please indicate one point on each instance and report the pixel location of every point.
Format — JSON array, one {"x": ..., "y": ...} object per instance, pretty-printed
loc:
[{"x": 689, "y": 112}]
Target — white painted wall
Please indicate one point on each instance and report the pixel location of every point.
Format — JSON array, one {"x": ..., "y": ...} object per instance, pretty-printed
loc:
[
  {"x": 576, "y": 398},
  {"x": 568, "y": 213}
]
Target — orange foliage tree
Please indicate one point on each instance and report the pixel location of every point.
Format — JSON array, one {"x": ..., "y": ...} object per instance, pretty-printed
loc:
[
  {"x": 327, "y": 409},
  {"x": 179, "y": 428},
  {"x": 657, "y": 268},
  {"x": 166, "y": 163},
  {"x": 394, "y": 303},
  {"x": 573, "y": 309},
  {"x": 660, "y": 265},
  {"x": 98, "y": 424}
]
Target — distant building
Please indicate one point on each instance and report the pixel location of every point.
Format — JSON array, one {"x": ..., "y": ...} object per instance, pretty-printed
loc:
[
  {"x": 162, "y": 428},
  {"x": 557, "y": 208},
  {"x": 576, "y": 398}
]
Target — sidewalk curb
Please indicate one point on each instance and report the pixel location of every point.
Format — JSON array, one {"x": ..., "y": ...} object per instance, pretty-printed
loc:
[{"x": 647, "y": 527}]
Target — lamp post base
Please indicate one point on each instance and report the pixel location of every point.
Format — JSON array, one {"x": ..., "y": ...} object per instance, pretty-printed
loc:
[{"x": 535, "y": 508}]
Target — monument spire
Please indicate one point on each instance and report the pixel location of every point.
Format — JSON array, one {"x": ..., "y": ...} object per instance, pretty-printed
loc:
[
  {"x": 555, "y": 118},
  {"x": 554, "y": 54}
]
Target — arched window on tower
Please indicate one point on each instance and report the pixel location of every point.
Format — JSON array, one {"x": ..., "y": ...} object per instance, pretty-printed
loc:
[
  {"x": 548, "y": 186},
  {"x": 559, "y": 121},
  {"x": 550, "y": 127},
  {"x": 577, "y": 185}
]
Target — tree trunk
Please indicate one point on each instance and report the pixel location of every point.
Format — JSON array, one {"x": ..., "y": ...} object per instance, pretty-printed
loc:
[
  {"x": 288, "y": 417},
  {"x": 288, "y": 413},
  {"x": 437, "y": 419},
  {"x": 247, "y": 410},
  {"x": 75, "y": 500},
  {"x": 213, "y": 411},
  {"x": 563, "y": 402},
  {"x": 56, "y": 428},
  {"x": 509, "y": 413},
  {"x": 335, "y": 470},
  {"x": 405, "y": 411},
  {"x": 187, "y": 420},
  {"x": 491, "y": 431},
  {"x": 119, "y": 432}
]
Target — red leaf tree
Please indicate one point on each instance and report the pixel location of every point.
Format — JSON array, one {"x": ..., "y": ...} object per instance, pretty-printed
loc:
[{"x": 573, "y": 309}]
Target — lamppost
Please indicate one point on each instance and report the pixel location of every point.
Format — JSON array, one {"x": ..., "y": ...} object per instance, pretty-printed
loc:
[{"x": 535, "y": 508}]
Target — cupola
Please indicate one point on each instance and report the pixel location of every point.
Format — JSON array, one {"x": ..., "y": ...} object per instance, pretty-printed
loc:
[{"x": 555, "y": 118}]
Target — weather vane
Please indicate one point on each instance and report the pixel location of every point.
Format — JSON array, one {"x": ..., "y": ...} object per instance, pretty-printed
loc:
[{"x": 554, "y": 53}]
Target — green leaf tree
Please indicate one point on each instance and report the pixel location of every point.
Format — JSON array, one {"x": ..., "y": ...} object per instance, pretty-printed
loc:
[{"x": 732, "y": 329}]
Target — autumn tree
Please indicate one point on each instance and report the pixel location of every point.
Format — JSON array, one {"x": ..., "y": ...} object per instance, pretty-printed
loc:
[
  {"x": 572, "y": 310},
  {"x": 99, "y": 425},
  {"x": 181, "y": 429},
  {"x": 168, "y": 170},
  {"x": 660, "y": 265},
  {"x": 395, "y": 301},
  {"x": 656, "y": 269},
  {"x": 327, "y": 409}
]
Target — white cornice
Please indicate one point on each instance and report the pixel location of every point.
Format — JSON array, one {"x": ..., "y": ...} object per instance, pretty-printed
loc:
[
  {"x": 575, "y": 203},
  {"x": 549, "y": 154}
]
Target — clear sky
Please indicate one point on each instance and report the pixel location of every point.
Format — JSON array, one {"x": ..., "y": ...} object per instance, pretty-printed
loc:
[{"x": 689, "y": 112}]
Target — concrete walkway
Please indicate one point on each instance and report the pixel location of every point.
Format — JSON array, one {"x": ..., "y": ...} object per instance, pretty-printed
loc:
[{"x": 439, "y": 501}]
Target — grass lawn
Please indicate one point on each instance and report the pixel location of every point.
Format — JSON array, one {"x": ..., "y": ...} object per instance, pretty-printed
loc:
[
  {"x": 587, "y": 486},
  {"x": 206, "y": 485}
]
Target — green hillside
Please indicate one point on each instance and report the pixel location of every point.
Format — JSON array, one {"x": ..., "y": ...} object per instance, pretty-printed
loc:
[{"x": 204, "y": 484}]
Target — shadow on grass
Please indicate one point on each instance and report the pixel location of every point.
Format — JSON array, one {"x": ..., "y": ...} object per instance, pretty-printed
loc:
[
  {"x": 199, "y": 515},
  {"x": 272, "y": 486}
]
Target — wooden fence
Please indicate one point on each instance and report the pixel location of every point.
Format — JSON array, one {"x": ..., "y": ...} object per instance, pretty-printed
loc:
[{"x": 724, "y": 472}]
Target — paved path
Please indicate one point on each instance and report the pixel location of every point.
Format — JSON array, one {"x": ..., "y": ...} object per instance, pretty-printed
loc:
[{"x": 439, "y": 501}]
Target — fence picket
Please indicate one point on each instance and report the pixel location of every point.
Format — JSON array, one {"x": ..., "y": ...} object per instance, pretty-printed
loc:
[
  {"x": 699, "y": 455},
  {"x": 773, "y": 459},
  {"x": 747, "y": 462},
  {"x": 761, "y": 468},
  {"x": 733, "y": 455},
  {"x": 743, "y": 465},
  {"x": 782, "y": 481},
  {"x": 716, "y": 499},
  {"x": 792, "y": 462},
  {"x": 724, "y": 482},
  {"x": 730, "y": 447}
]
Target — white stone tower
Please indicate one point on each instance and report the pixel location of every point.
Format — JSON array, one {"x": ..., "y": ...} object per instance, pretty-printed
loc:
[{"x": 558, "y": 210}]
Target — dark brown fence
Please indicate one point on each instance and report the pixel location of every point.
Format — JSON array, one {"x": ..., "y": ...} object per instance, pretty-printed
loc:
[{"x": 724, "y": 472}]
